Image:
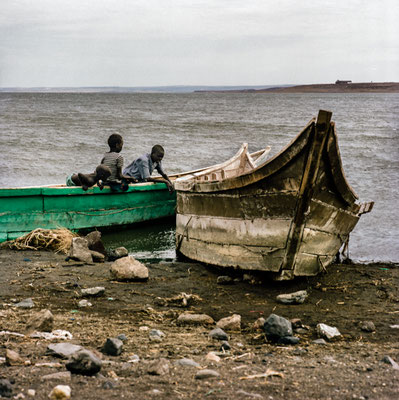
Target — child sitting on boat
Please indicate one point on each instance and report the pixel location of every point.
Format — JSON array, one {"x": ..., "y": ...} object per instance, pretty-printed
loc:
[
  {"x": 99, "y": 176},
  {"x": 114, "y": 161}
]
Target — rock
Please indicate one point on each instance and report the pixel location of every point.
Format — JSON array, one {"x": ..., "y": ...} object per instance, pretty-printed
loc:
[
  {"x": 128, "y": 269},
  {"x": 206, "y": 374},
  {"x": 296, "y": 323},
  {"x": 212, "y": 357},
  {"x": 158, "y": 367},
  {"x": 249, "y": 278},
  {"x": 62, "y": 350},
  {"x": 319, "y": 341},
  {"x": 97, "y": 256},
  {"x": 5, "y": 388},
  {"x": 367, "y": 326},
  {"x": 84, "y": 362},
  {"x": 293, "y": 298},
  {"x": 252, "y": 395},
  {"x": 84, "y": 303},
  {"x": 94, "y": 242},
  {"x": 64, "y": 376},
  {"x": 225, "y": 346},
  {"x": 218, "y": 334},
  {"x": 224, "y": 280},
  {"x": 389, "y": 360},
  {"x": 31, "y": 392},
  {"x": 327, "y": 332},
  {"x": 156, "y": 335},
  {"x": 117, "y": 253},
  {"x": 41, "y": 321},
  {"x": 93, "y": 291},
  {"x": 187, "y": 362},
  {"x": 13, "y": 358},
  {"x": 277, "y": 327},
  {"x": 113, "y": 347},
  {"x": 133, "y": 359},
  {"x": 122, "y": 337},
  {"x": 288, "y": 340},
  {"x": 258, "y": 324},
  {"x": 109, "y": 385},
  {"x": 232, "y": 323},
  {"x": 194, "y": 319},
  {"x": 60, "y": 392},
  {"x": 80, "y": 250},
  {"x": 26, "y": 303}
]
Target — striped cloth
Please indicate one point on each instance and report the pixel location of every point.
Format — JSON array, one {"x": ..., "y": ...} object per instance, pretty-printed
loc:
[{"x": 113, "y": 161}]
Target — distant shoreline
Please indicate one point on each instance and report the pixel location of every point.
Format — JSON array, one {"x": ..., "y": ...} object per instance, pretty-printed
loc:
[{"x": 373, "y": 87}]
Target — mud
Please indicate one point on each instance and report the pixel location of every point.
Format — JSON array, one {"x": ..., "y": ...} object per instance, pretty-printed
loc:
[{"x": 344, "y": 296}]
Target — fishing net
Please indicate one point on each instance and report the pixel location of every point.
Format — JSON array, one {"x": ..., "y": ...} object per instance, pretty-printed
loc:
[{"x": 58, "y": 240}]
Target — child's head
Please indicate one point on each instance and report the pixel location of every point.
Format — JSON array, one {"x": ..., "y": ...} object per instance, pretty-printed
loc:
[
  {"x": 115, "y": 142},
  {"x": 103, "y": 172},
  {"x": 157, "y": 153}
]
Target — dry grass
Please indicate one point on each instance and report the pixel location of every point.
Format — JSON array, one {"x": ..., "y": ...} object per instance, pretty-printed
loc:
[{"x": 58, "y": 240}]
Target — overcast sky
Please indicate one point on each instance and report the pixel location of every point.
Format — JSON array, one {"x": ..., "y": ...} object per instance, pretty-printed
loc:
[{"x": 197, "y": 42}]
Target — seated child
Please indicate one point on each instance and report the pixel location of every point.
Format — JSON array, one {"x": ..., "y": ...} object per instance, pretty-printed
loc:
[
  {"x": 112, "y": 159},
  {"x": 99, "y": 176}
]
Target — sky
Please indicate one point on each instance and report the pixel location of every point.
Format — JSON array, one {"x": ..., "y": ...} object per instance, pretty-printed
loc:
[{"x": 72, "y": 43}]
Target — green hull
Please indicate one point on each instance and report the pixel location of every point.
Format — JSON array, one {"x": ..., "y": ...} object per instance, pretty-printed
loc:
[{"x": 25, "y": 209}]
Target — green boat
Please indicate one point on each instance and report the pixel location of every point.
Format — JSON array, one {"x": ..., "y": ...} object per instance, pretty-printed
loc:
[{"x": 49, "y": 207}]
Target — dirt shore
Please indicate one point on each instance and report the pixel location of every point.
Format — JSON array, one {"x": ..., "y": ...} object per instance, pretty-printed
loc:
[{"x": 350, "y": 367}]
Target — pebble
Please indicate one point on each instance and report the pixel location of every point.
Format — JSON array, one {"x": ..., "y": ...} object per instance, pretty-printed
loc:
[
  {"x": 158, "y": 367},
  {"x": 246, "y": 394},
  {"x": 63, "y": 350},
  {"x": 288, "y": 340},
  {"x": 258, "y": 324},
  {"x": 134, "y": 359},
  {"x": 109, "y": 385},
  {"x": 40, "y": 321},
  {"x": 156, "y": 335},
  {"x": 212, "y": 357},
  {"x": 218, "y": 334},
  {"x": 60, "y": 392},
  {"x": 13, "y": 358},
  {"x": 26, "y": 303},
  {"x": 31, "y": 392},
  {"x": 187, "y": 362},
  {"x": 93, "y": 291},
  {"x": 367, "y": 326},
  {"x": 206, "y": 374},
  {"x": 122, "y": 337},
  {"x": 119, "y": 252},
  {"x": 84, "y": 303},
  {"x": 232, "y": 323},
  {"x": 194, "y": 319},
  {"x": 84, "y": 362},
  {"x": 319, "y": 341},
  {"x": 64, "y": 376},
  {"x": 293, "y": 298},
  {"x": 112, "y": 347},
  {"x": 5, "y": 388},
  {"x": 327, "y": 332},
  {"x": 277, "y": 327}
]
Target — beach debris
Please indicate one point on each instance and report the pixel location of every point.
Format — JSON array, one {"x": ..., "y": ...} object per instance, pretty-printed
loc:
[
  {"x": 60, "y": 392},
  {"x": 187, "y": 362},
  {"x": 40, "y": 321},
  {"x": 180, "y": 300},
  {"x": 5, "y": 388},
  {"x": 128, "y": 269},
  {"x": 389, "y": 360},
  {"x": 112, "y": 347},
  {"x": 298, "y": 297},
  {"x": 93, "y": 291},
  {"x": 232, "y": 323},
  {"x": 8, "y": 333},
  {"x": 26, "y": 303},
  {"x": 218, "y": 334},
  {"x": 119, "y": 252},
  {"x": 269, "y": 372},
  {"x": 327, "y": 332},
  {"x": 63, "y": 376},
  {"x": 57, "y": 240},
  {"x": 13, "y": 358},
  {"x": 394, "y": 326},
  {"x": 224, "y": 280},
  {"x": 194, "y": 319},
  {"x": 158, "y": 367},
  {"x": 59, "y": 334},
  {"x": 84, "y": 362},
  {"x": 206, "y": 374},
  {"x": 277, "y": 327},
  {"x": 367, "y": 326},
  {"x": 79, "y": 250},
  {"x": 156, "y": 335},
  {"x": 63, "y": 350}
]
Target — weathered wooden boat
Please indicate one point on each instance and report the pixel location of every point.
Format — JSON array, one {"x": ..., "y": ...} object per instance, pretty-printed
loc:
[
  {"x": 25, "y": 209},
  {"x": 288, "y": 215}
]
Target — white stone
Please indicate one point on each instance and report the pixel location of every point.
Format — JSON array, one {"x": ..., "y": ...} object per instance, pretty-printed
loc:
[{"x": 327, "y": 332}]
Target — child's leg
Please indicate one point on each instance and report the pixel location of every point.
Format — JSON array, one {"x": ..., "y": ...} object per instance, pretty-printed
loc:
[
  {"x": 73, "y": 180},
  {"x": 86, "y": 181}
]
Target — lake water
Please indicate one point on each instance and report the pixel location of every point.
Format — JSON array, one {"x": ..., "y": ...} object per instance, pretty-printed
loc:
[{"x": 45, "y": 136}]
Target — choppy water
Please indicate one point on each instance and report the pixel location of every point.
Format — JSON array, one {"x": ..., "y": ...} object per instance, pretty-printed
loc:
[{"x": 45, "y": 136}]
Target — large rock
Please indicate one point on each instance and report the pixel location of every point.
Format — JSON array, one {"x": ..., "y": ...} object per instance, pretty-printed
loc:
[
  {"x": 84, "y": 362},
  {"x": 232, "y": 323},
  {"x": 95, "y": 243},
  {"x": 277, "y": 327},
  {"x": 194, "y": 319},
  {"x": 40, "y": 321},
  {"x": 128, "y": 269},
  {"x": 80, "y": 250}
]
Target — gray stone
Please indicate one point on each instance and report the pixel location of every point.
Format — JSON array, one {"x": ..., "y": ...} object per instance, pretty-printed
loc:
[
  {"x": 218, "y": 334},
  {"x": 206, "y": 374},
  {"x": 117, "y": 253},
  {"x": 122, "y": 337},
  {"x": 84, "y": 362},
  {"x": 319, "y": 341},
  {"x": 156, "y": 335},
  {"x": 40, "y": 321},
  {"x": 5, "y": 388},
  {"x": 194, "y": 319},
  {"x": 187, "y": 362},
  {"x": 277, "y": 327},
  {"x": 327, "y": 332},
  {"x": 113, "y": 347},
  {"x": 389, "y": 360},
  {"x": 367, "y": 326},
  {"x": 129, "y": 269},
  {"x": 158, "y": 367},
  {"x": 93, "y": 291},
  {"x": 224, "y": 280},
  {"x": 232, "y": 323},
  {"x": 64, "y": 376},
  {"x": 288, "y": 340},
  {"x": 26, "y": 303},
  {"x": 293, "y": 298},
  {"x": 62, "y": 350},
  {"x": 80, "y": 250}
]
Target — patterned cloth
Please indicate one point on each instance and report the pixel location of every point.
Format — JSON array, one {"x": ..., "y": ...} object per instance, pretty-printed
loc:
[
  {"x": 142, "y": 168},
  {"x": 113, "y": 161},
  {"x": 69, "y": 181}
]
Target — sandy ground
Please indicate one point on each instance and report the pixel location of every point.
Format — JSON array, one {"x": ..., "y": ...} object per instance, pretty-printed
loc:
[{"x": 351, "y": 367}]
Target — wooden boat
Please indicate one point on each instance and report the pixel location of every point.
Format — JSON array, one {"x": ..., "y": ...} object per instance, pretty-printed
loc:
[
  {"x": 25, "y": 209},
  {"x": 288, "y": 215}
]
